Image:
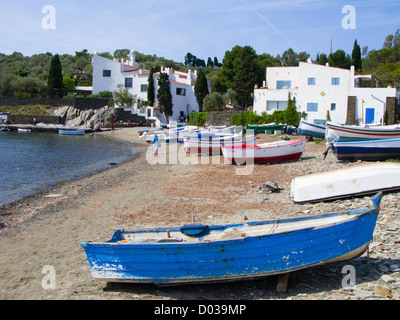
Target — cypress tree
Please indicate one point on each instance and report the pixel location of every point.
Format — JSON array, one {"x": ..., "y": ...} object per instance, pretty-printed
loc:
[
  {"x": 55, "y": 78},
  {"x": 164, "y": 96},
  {"x": 150, "y": 88},
  {"x": 200, "y": 88},
  {"x": 356, "y": 56}
]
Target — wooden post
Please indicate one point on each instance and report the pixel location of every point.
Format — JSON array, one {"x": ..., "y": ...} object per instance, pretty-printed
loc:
[{"x": 282, "y": 283}]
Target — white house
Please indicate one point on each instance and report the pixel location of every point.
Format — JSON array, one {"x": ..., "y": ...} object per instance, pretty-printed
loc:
[
  {"x": 107, "y": 74},
  {"x": 321, "y": 88}
]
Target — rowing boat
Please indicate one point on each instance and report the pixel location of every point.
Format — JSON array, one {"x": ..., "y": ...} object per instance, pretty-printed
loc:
[{"x": 213, "y": 253}]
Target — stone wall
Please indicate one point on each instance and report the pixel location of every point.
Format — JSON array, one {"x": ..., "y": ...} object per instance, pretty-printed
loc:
[
  {"x": 351, "y": 110},
  {"x": 25, "y": 119},
  {"x": 78, "y": 103},
  {"x": 391, "y": 105},
  {"x": 221, "y": 118}
]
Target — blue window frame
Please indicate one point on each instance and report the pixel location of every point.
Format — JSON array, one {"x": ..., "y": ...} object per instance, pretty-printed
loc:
[
  {"x": 335, "y": 81},
  {"x": 311, "y": 81},
  {"x": 106, "y": 73},
  {"x": 333, "y": 106},
  {"x": 312, "y": 106}
]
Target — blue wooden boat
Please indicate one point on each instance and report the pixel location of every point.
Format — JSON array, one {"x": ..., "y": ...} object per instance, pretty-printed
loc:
[
  {"x": 203, "y": 253},
  {"x": 312, "y": 129},
  {"x": 367, "y": 150},
  {"x": 71, "y": 132}
]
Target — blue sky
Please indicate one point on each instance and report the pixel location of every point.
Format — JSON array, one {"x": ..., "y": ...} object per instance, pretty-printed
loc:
[{"x": 206, "y": 28}]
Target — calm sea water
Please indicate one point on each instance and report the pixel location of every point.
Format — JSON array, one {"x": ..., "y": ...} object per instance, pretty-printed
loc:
[{"x": 30, "y": 162}]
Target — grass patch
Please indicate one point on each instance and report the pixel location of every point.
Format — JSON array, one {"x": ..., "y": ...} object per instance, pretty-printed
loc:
[
  {"x": 393, "y": 160},
  {"x": 32, "y": 110}
]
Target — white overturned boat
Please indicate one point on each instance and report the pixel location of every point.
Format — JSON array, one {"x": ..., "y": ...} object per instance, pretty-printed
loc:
[{"x": 357, "y": 180}]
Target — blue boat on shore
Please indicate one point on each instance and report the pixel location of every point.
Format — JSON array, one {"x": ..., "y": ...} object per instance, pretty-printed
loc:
[
  {"x": 203, "y": 253},
  {"x": 314, "y": 130},
  {"x": 367, "y": 150}
]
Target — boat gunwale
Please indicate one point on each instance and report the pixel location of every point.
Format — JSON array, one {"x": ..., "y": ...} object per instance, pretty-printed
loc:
[{"x": 356, "y": 214}]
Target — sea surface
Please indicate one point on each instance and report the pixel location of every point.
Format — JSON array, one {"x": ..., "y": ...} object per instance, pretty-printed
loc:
[{"x": 31, "y": 161}]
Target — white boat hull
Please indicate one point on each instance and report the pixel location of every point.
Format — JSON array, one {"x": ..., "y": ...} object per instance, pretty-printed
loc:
[
  {"x": 213, "y": 144},
  {"x": 270, "y": 152},
  {"x": 361, "y": 179}
]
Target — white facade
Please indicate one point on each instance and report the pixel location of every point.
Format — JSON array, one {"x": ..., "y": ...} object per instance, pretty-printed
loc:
[
  {"x": 318, "y": 89},
  {"x": 107, "y": 74}
]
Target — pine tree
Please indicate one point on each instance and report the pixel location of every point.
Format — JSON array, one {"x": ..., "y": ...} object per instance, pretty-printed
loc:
[
  {"x": 150, "y": 88},
  {"x": 164, "y": 96},
  {"x": 291, "y": 116},
  {"x": 356, "y": 56},
  {"x": 55, "y": 78},
  {"x": 200, "y": 88}
]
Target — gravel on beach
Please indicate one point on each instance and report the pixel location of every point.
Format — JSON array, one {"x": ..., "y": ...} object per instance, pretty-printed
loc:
[{"x": 44, "y": 231}]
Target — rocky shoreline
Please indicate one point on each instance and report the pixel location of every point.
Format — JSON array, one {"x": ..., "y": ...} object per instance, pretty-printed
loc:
[{"x": 47, "y": 229}]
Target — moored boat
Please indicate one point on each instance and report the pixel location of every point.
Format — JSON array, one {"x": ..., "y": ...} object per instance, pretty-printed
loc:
[
  {"x": 367, "y": 150},
  {"x": 71, "y": 132},
  {"x": 342, "y": 183},
  {"x": 356, "y": 133},
  {"x": 205, "y": 253},
  {"x": 312, "y": 129},
  {"x": 270, "y": 152}
]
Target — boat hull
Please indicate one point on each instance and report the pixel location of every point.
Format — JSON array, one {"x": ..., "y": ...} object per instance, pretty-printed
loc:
[
  {"x": 264, "y": 128},
  {"x": 357, "y": 180},
  {"x": 312, "y": 130},
  {"x": 243, "y": 257},
  {"x": 213, "y": 145},
  {"x": 367, "y": 150},
  {"x": 71, "y": 132},
  {"x": 358, "y": 133},
  {"x": 272, "y": 152}
]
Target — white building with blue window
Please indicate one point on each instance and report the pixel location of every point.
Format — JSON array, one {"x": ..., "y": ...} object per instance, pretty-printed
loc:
[
  {"x": 107, "y": 74},
  {"x": 319, "y": 89}
]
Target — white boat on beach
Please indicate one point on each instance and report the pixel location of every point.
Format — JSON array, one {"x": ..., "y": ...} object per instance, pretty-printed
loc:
[
  {"x": 312, "y": 129},
  {"x": 338, "y": 132},
  {"x": 270, "y": 152},
  {"x": 213, "y": 144},
  {"x": 357, "y": 180}
]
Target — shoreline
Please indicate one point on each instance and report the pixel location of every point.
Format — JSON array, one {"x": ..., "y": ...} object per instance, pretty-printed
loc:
[
  {"x": 48, "y": 188},
  {"x": 47, "y": 231}
]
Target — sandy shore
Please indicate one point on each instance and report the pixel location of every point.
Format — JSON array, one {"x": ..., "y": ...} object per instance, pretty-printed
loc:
[{"x": 45, "y": 231}]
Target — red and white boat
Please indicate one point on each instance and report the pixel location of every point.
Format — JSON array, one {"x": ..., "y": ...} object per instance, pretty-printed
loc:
[
  {"x": 339, "y": 132},
  {"x": 270, "y": 152},
  {"x": 212, "y": 144}
]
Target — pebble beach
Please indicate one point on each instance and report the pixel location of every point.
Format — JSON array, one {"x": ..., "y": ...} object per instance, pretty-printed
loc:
[{"x": 45, "y": 230}]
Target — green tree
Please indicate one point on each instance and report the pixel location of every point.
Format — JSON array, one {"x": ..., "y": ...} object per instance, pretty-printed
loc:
[
  {"x": 200, "y": 88},
  {"x": 55, "y": 78},
  {"x": 122, "y": 54},
  {"x": 229, "y": 67},
  {"x": 150, "y": 88},
  {"x": 245, "y": 77},
  {"x": 356, "y": 56},
  {"x": 322, "y": 59},
  {"x": 68, "y": 83},
  {"x": 123, "y": 98},
  {"x": 164, "y": 96},
  {"x": 290, "y": 115},
  {"x": 213, "y": 102},
  {"x": 291, "y": 58},
  {"x": 340, "y": 59}
]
